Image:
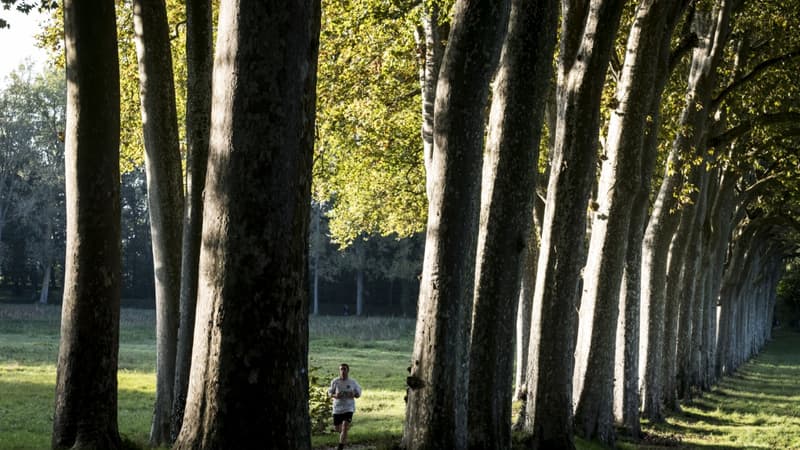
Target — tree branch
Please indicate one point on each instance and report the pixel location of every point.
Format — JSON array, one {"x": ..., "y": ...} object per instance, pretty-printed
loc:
[
  {"x": 745, "y": 127},
  {"x": 757, "y": 70},
  {"x": 688, "y": 42}
]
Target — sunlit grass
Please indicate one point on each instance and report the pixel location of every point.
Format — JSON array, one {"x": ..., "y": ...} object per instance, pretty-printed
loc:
[
  {"x": 757, "y": 408},
  {"x": 377, "y": 350}
]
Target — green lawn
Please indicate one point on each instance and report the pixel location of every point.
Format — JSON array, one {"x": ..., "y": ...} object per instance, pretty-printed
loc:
[
  {"x": 757, "y": 408},
  {"x": 377, "y": 350}
]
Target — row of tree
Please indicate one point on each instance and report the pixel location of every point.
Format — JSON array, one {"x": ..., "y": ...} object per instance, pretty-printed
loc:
[
  {"x": 668, "y": 282},
  {"x": 713, "y": 238}
]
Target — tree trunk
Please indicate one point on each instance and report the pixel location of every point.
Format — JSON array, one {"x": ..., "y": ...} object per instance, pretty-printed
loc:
[
  {"x": 524, "y": 312},
  {"x": 692, "y": 295},
  {"x": 712, "y": 30},
  {"x": 86, "y": 381},
  {"x": 44, "y": 292},
  {"x": 627, "y": 394},
  {"x": 436, "y": 413},
  {"x": 507, "y": 200},
  {"x": 199, "y": 58},
  {"x": 430, "y": 37},
  {"x": 359, "y": 292},
  {"x": 165, "y": 196},
  {"x": 587, "y": 37},
  {"x": 252, "y": 313},
  {"x": 618, "y": 186}
]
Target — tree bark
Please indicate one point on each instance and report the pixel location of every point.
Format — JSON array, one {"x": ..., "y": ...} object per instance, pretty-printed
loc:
[
  {"x": 199, "y": 61},
  {"x": 588, "y": 32},
  {"x": 86, "y": 381},
  {"x": 618, "y": 186},
  {"x": 626, "y": 391},
  {"x": 525, "y": 311},
  {"x": 44, "y": 292},
  {"x": 430, "y": 37},
  {"x": 252, "y": 316},
  {"x": 712, "y": 30},
  {"x": 436, "y": 413},
  {"x": 165, "y": 196},
  {"x": 688, "y": 319},
  {"x": 507, "y": 200}
]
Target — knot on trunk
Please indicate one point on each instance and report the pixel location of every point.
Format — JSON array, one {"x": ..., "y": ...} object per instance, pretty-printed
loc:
[{"x": 414, "y": 382}]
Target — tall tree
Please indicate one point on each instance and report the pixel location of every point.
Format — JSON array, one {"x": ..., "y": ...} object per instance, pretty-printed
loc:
[
  {"x": 199, "y": 62},
  {"x": 626, "y": 391},
  {"x": 165, "y": 195},
  {"x": 252, "y": 312},
  {"x": 86, "y": 381},
  {"x": 507, "y": 199},
  {"x": 618, "y": 186},
  {"x": 712, "y": 28},
  {"x": 588, "y": 30},
  {"x": 436, "y": 412}
]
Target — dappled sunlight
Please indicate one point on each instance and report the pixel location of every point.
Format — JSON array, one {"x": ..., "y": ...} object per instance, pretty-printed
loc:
[{"x": 756, "y": 407}]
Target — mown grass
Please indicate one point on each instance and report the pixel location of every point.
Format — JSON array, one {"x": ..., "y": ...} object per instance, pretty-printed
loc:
[
  {"x": 759, "y": 407},
  {"x": 377, "y": 350}
]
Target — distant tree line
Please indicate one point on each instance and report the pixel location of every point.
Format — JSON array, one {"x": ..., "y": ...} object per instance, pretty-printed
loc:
[{"x": 374, "y": 275}]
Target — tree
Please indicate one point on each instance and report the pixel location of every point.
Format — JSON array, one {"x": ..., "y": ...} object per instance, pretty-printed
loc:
[
  {"x": 368, "y": 155},
  {"x": 659, "y": 306},
  {"x": 618, "y": 186},
  {"x": 253, "y": 302},
  {"x": 436, "y": 412},
  {"x": 507, "y": 199},
  {"x": 32, "y": 171},
  {"x": 86, "y": 382},
  {"x": 165, "y": 195},
  {"x": 199, "y": 62},
  {"x": 587, "y": 35}
]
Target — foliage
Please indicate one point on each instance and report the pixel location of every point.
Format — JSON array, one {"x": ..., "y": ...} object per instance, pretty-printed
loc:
[
  {"x": 320, "y": 407},
  {"x": 368, "y": 160},
  {"x": 789, "y": 287},
  {"x": 131, "y": 137},
  {"x": 32, "y": 212},
  {"x": 25, "y": 6}
]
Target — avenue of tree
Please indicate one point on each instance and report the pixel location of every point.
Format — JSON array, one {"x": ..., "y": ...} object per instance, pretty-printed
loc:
[{"x": 619, "y": 187}]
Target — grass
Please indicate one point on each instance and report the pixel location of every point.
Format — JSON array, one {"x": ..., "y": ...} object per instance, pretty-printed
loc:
[
  {"x": 377, "y": 350},
  {"x": 758, "y": 407}
]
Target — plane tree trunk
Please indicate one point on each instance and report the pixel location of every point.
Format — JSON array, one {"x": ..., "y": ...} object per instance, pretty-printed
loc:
[
  {"x": 86, "y": 376},
  {"x": 507, "y": 199},
  {"x": 164, "y": 193},
  {"x": 436, "y": 412},
  {"x": 588, "y": 32},
  {"x": 617, "y": 189},
  {"x": 199, "y": 61},
  {"x": 712, "y": 30},
  {"x": 252, "y": 314}
]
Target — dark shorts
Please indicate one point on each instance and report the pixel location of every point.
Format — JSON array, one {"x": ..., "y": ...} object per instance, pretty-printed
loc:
[{"x": 339, "y": 418}]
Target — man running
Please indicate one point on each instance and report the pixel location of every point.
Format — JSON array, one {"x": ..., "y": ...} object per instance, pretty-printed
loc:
[{"x": 344, "y": 391}]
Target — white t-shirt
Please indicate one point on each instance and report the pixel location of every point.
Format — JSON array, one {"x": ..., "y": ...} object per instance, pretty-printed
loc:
[{"x": 344, "y": 405}]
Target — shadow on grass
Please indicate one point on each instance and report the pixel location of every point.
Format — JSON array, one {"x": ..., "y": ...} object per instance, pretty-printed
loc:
[
  {"x": 26, "y": 413},
  {"x": 756, "y": 407}
]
